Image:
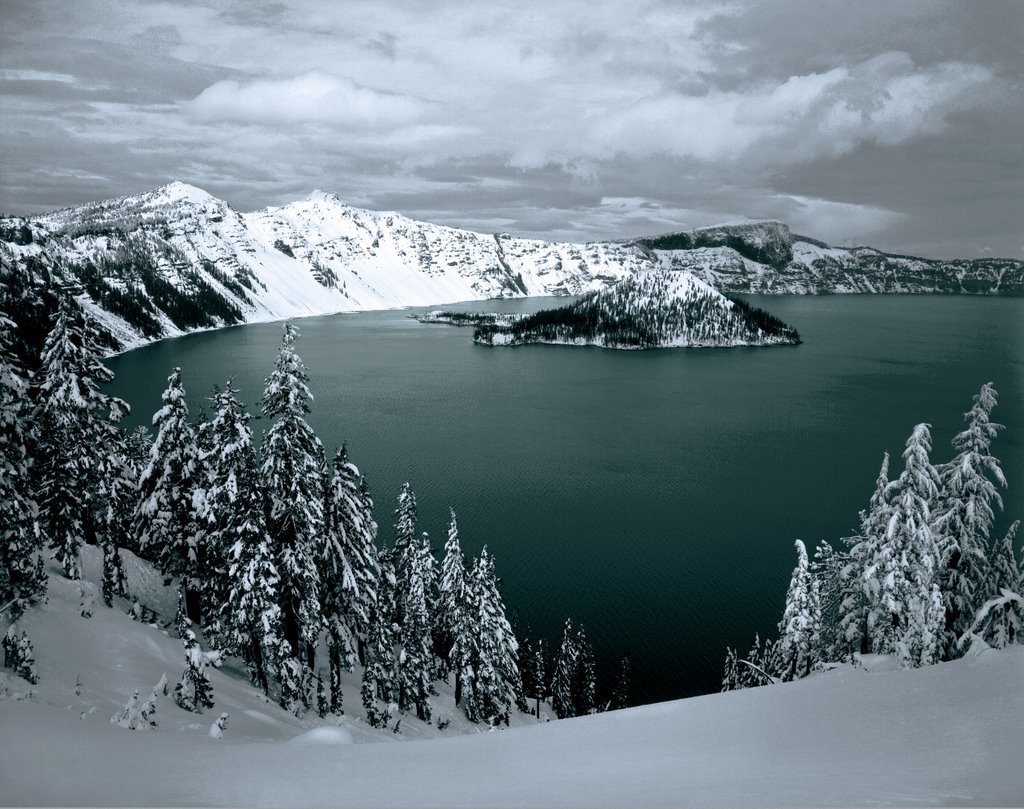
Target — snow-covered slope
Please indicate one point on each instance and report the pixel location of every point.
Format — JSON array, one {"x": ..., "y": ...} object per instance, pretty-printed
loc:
[
  {"x": 652, "y": 309},
  {"x": 944, "y": 735},
  {"x": 177, "y": 259}
]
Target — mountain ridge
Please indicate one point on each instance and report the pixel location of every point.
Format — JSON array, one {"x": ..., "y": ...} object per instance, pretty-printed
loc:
[{"x": 177, "y": 259}]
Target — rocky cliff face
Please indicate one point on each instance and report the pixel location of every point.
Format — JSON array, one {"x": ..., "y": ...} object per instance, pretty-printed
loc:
[{"x": 177, "y": 259}]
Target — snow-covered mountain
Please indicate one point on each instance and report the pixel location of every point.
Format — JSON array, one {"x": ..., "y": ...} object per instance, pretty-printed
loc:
[
  {"x": 858, "y": 735},
  {"x": 177, "y": 259},
  {"x": 652, "y": 309}
]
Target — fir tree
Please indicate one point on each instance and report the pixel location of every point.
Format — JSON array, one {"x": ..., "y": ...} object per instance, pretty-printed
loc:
[
  {"x": 19, "y": 655},
  {"x": 857, "y": 575},
  {"x": 534, "y": 672},
  {"x": 415, "y": 659},
  {"x": 250, "y": 615},
  {"x": 800, "y": 627},
  {"x": 451, "y": 602},
  {"x": 379, "y": 676},
  {"x": 76, "y": 429},
  {"x": 621, "y": 692},
  {"x": 1000, "y": 620},
  {"x": 348, "y": 571},
  {"x": 193, "y": 692},
  {"x": 586, "y": 681},
  {"x": 965, "y": 518},
  {"x": 166, "y": 519},
  {"x": 900, "y": 577},
  {"x": 563, "y": 681},
  {"x": 499, "y": 647},
  {"x": 22, "y": 578},
  {"x": 405, "y": 541},
  {"x": 294, "y": 473}
]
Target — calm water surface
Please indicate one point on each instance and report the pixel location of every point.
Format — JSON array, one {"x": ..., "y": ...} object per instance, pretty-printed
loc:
[{"x": 654, "y": 496}]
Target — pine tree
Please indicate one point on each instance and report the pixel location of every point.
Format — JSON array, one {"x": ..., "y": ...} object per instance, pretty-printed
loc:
[
  {"x": 19, "y": 655},
  {"x": 498, "y": 674},
  {"x": 563, "y": 681},
  {"x": 193, "y": 692},
  {"x": 294, "y": 472},
  {"x": 534, "y": 671},
  {"x": 965, "y": 518},
  {"x": 348, "y": 571},
  {"x": 800, "y": 627},
  {"x": 901, "y": 575},
  {"x": 620, "y": 694},
  {"x": 451, "y": 602},
  {"x": 22, "y": 578},
  {"x": 586, "y": 682},
  {"x": 859, "y": 586},
  {"x": 405, "y": 540},
  {"x": 415, "y": 659},
  {"x": 250, "y": 615},
  {"x": 1000, "y": 620},
  {"x": 166, "y": 519},
  {"x": 379, "y": 676},
  {"x": 76, "y": 429}
]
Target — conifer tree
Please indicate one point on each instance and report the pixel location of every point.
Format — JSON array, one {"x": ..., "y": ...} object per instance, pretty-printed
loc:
[
  {"x": 348, "y": 571},
  {"x": 415, "y": 659},
  {"x": 621, "y": 692},
  {"x": 534, "y": 671},
  {"x": 858, "y": 582},
  {"x": 193, "y": 692},
  {"x": 76, "y": 433},
  {"x": 249, "y": 617},
  {"x": 800, "y": 627},
  {"x": 900, "y": 577},
  {"x": 166, "y": 519},
  {"x": 294, "y": 472},
  {"x": 500, "y": 681},
  {"x": 586, "y": 681},
  {"x": 563, "y": 681},
  {"x": 965, "y": 518},
  {"x": 22, "y": 577},
  {"x": 379, "y": 675},
  {"x": 405, "y": 541},
  {"x": 451, "y": 603},
  {"x": 1000, "y": 620}
]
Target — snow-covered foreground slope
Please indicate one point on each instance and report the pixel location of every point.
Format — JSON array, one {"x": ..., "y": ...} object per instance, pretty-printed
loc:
[{"x": 948, "y": 734}]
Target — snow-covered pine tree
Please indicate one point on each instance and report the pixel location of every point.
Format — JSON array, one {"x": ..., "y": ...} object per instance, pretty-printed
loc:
[
  {"x": 965, "y": 516},
  {"x": 415, "y": 657},
  {"x": 75, "y": 427},
  {"x": 250, "y": 616},
  {"x": 348, "y": 571},
  {"x": 620, "y": 694},
  {"x": 294, "y": 471},
  {"x": 499, "y": 678},
  {"x": 22, "y": 577},
  {"x": 193, "y": 692},
  {"x": 405, "y": 541},
  {"x": 586, "y": 678},
  {"x": 450, "y": 603},
  {"x": 166, "y": 519},
  {"x": 731, "y": 671},
  {"x": 534, "y": 671},
  {"x": 379, "y": 675},
  {"x": 563, "y": 681},
  {"x": 900, "y": 577},
  {"x": 856, "y": 575},
  {"x": 800, "y": 627},
  {"x": 19, "y": 655},
  {"x": 1000, "y": 619}
]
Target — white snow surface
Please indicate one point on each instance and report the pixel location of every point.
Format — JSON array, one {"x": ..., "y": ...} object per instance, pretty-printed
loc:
[{"x": 949, "y": 734}]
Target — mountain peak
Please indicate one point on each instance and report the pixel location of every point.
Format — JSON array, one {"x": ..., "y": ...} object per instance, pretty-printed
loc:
[{"x": 177, "y": 191}]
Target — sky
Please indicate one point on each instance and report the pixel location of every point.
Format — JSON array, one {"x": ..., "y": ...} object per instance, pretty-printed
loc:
[{"x": 895, "y": 124}]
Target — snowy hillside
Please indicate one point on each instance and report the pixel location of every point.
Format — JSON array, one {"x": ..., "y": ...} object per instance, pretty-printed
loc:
[
  {"x": 945, "y": 734},
  {"x": 177, "y": 259},
  {"x": 654, "y": 309}
]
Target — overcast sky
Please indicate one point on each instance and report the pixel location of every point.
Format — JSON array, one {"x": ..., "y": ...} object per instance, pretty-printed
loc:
[{"x": 897, "y": 124}]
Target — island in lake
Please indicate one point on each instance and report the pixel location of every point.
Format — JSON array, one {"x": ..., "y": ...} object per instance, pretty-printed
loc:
[{"x": 657, "y": 309}]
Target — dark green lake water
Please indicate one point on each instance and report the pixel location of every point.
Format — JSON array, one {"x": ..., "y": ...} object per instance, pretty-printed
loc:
[{"x": 654, "y": 496}]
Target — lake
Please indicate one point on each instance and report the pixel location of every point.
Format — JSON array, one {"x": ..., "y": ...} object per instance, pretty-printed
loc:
[{"x": 653, "y": 496}]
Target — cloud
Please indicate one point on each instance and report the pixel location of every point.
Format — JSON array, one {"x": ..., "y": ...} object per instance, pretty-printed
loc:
[
  {"x": 312, "y": 98},
  {"x": 806, "y": 117}
]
